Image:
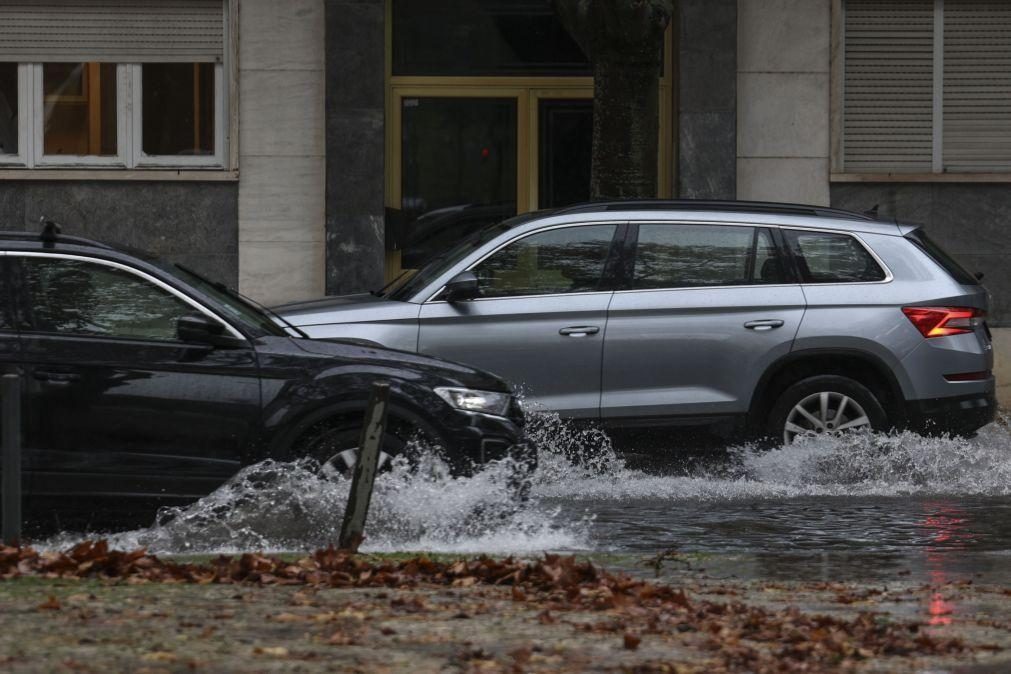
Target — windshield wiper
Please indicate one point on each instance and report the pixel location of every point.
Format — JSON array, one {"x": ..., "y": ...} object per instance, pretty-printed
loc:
[{"x": 218, "y": 285}]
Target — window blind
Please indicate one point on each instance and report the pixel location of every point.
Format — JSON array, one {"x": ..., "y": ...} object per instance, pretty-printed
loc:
[
  {"x": 977, "y": 85},
  {"x": 888, "y": 87},
  {"x": 121, "y": 31}
]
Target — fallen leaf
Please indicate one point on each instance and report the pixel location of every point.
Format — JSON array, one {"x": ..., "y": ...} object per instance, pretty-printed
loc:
[{"x": 51, "y": 604}]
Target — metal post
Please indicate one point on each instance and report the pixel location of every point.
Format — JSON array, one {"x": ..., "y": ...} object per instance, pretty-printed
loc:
[
  {"x": 364, "y": 476},
  {"x": 10, "y": 393}
]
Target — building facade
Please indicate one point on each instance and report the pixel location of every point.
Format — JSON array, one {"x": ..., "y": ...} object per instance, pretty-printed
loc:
[{"x": 306, "y": 147}]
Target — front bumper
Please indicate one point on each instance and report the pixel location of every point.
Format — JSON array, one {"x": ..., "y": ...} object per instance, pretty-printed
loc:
[
  {"x": 476, "y": 439},
  {"x": 959, "y": 415}
]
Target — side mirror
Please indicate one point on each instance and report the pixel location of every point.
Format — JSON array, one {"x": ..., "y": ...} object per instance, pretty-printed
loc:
[
  {"x": 461, "y": 287},
  {"x": 201, "y": 329}
]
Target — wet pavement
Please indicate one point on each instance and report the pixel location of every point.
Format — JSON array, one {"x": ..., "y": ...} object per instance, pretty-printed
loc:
[{"x": 854, "y": 508}]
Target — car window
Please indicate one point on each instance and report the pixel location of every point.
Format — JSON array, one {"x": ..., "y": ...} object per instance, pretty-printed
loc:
[
  {"x": 826, "y": 257},
  {"x": 83, "y": 298},
  {"x": 694, "y": 256},
  {"x": 566, "y": 260}
]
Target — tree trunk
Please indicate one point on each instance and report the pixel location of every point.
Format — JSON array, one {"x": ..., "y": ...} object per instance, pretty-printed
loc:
[{"x": 624, "y": 39}]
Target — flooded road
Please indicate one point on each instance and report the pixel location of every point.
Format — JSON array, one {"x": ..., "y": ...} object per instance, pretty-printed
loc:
[{"x": 830, "y": 508}]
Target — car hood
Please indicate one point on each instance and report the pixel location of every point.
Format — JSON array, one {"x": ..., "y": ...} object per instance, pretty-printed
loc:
[
  {"x": 346, "y": 309},
  {"x": 426, "y": 370}
]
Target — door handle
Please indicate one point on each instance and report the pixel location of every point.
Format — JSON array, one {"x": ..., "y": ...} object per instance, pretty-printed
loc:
[
  {"x": 764, "y": 324},
  {"x": 57, "y": 377},
  {"x": 579, "y": 331}
]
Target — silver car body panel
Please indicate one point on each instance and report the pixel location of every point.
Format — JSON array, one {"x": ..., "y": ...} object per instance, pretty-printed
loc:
[
  {"x": 690, "y": 349},
  {"x": 524, "y": 337},
  {"x": 363, "y": 317},
  {"x": 674, "y": 352}
]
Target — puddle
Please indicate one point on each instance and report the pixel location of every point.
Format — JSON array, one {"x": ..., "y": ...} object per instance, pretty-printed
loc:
[{"x": 884, "y": 495}]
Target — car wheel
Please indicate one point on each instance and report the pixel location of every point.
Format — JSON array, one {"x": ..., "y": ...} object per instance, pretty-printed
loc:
[
  {"x": 335, "y": 447},
  {"x": 825, "y": 405}
]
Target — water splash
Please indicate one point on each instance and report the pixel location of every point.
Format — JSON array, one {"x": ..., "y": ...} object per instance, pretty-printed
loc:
[
  {"x": 290, "y": 506},
  {"x": 864, "y": 464}
]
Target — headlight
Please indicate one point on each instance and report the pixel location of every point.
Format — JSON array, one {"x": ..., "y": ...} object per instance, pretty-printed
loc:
[{"x": 486, "y": 402}]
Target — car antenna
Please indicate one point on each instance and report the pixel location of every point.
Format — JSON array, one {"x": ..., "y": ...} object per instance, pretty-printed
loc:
[
  {"x": 50, "y": 230},
  {"x": 872, "y": 212}
]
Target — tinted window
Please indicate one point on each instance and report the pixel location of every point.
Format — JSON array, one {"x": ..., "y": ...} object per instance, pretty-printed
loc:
[
  {"x": 483, "y": 37},
  {"x": 693, "y": 256},
  {"x": 824, "y": 257},
  {"x": 83, "y": 298},
  {"x": 568, "y": 260}
]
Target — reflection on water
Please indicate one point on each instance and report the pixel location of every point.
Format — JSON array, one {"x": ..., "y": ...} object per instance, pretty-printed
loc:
[{"x": 826, "y": 509}]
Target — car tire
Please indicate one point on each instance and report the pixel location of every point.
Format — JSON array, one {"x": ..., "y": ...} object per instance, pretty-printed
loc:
[
  {"x": 334, "y": 445},
  {"x": 825, "y": 404}
]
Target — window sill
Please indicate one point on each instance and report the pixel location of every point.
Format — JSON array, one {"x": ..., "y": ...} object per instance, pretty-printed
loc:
[
  {"x": 920, "y": 178},
  {"x": 148, "y": 175}
]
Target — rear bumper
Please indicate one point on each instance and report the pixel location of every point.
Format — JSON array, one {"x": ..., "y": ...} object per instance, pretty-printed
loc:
[{"x": 959, "y": 415}]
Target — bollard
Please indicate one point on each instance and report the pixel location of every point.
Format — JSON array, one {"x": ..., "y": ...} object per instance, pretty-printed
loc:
[
  {"x": 10, "y": 397},
  {"x": 364, "y": 476}
]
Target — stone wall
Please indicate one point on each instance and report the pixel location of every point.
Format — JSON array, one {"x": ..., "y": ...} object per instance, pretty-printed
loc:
[
  {"x": 783, "y": 100},
  {"x": 707, "y": 99},
  {"x": 355, "y": 145},
  {"x": 195, "y": 223},
  {"x": 281, "y": 149}
]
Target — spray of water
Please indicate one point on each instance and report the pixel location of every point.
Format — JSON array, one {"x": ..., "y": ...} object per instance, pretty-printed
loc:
[{"x": 291, "y": 506}]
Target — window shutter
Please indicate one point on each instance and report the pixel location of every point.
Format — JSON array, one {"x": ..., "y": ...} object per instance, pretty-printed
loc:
[
  {"x": 888, "y": 80},
  {"x": 977, "y": 85},
  {"x": 121, "y": 31}
]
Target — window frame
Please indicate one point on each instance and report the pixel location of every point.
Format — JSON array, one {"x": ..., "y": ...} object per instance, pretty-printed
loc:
[
  {"x": 142, "y": 275},
  {"x": 608, "y": 279},
  {"x": 25, "y": 124},
  {"x": 130, "y": 162},
  {"x": 798, "y": 272},
  {"x": 787, "y": 263},
  {"x": 139, "y": 159},
  {"x": 838, "y": 172},
  {"x": 611, "y": 275}
]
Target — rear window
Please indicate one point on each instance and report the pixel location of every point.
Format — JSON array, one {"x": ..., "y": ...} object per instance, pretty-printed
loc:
[
  {"x": 827, "y": 257},
  {"x": 938, "y": 255}
]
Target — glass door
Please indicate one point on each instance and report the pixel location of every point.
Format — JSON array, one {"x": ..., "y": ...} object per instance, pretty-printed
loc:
[
  {"x": 458, "y": 171},
  {"x": 564, "y": 141}
]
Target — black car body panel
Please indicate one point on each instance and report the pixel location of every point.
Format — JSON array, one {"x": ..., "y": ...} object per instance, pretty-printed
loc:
[{"x": 131, "y": 422}]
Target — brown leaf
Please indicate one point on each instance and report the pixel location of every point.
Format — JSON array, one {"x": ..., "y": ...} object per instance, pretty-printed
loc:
[
  {"x": 51, "y": 604},
  {"x": 631, "y": 641}
]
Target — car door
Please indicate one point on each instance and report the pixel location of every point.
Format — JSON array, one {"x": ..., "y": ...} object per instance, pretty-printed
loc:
[
  {"x": 706, "y": 310},
  {"x": 540, "y": 318},
  {"x": 116, "y": 405}
]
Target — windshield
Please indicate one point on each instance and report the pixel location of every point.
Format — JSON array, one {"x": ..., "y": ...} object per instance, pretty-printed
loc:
[
  {"x": 440, "y": 264},
  {"x": 234, "y": 307}
]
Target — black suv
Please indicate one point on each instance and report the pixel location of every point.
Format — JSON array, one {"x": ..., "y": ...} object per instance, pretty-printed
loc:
[{"x": 145, "y": 384}]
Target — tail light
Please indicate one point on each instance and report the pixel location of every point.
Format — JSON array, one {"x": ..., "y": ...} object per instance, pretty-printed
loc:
[{"x": 944, "y": 321}]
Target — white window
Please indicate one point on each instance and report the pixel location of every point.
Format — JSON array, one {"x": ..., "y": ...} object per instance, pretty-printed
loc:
[
  {"x": 926, "y": 87},
  {"x": 113, "y": 83}
]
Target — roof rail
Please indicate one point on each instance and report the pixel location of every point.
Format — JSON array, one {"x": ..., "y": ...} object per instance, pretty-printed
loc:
[
  {"x": 61, "y": 238},
  {"x": 714, "y": 205}
]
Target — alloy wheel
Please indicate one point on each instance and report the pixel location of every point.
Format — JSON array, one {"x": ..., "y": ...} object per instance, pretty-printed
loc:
[
  {"x": 824, "y": 413},
  {"x": 342, "y": 463}
]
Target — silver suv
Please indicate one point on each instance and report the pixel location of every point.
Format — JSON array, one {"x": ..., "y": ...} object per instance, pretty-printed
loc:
[{"x": 786, "y": 320}]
